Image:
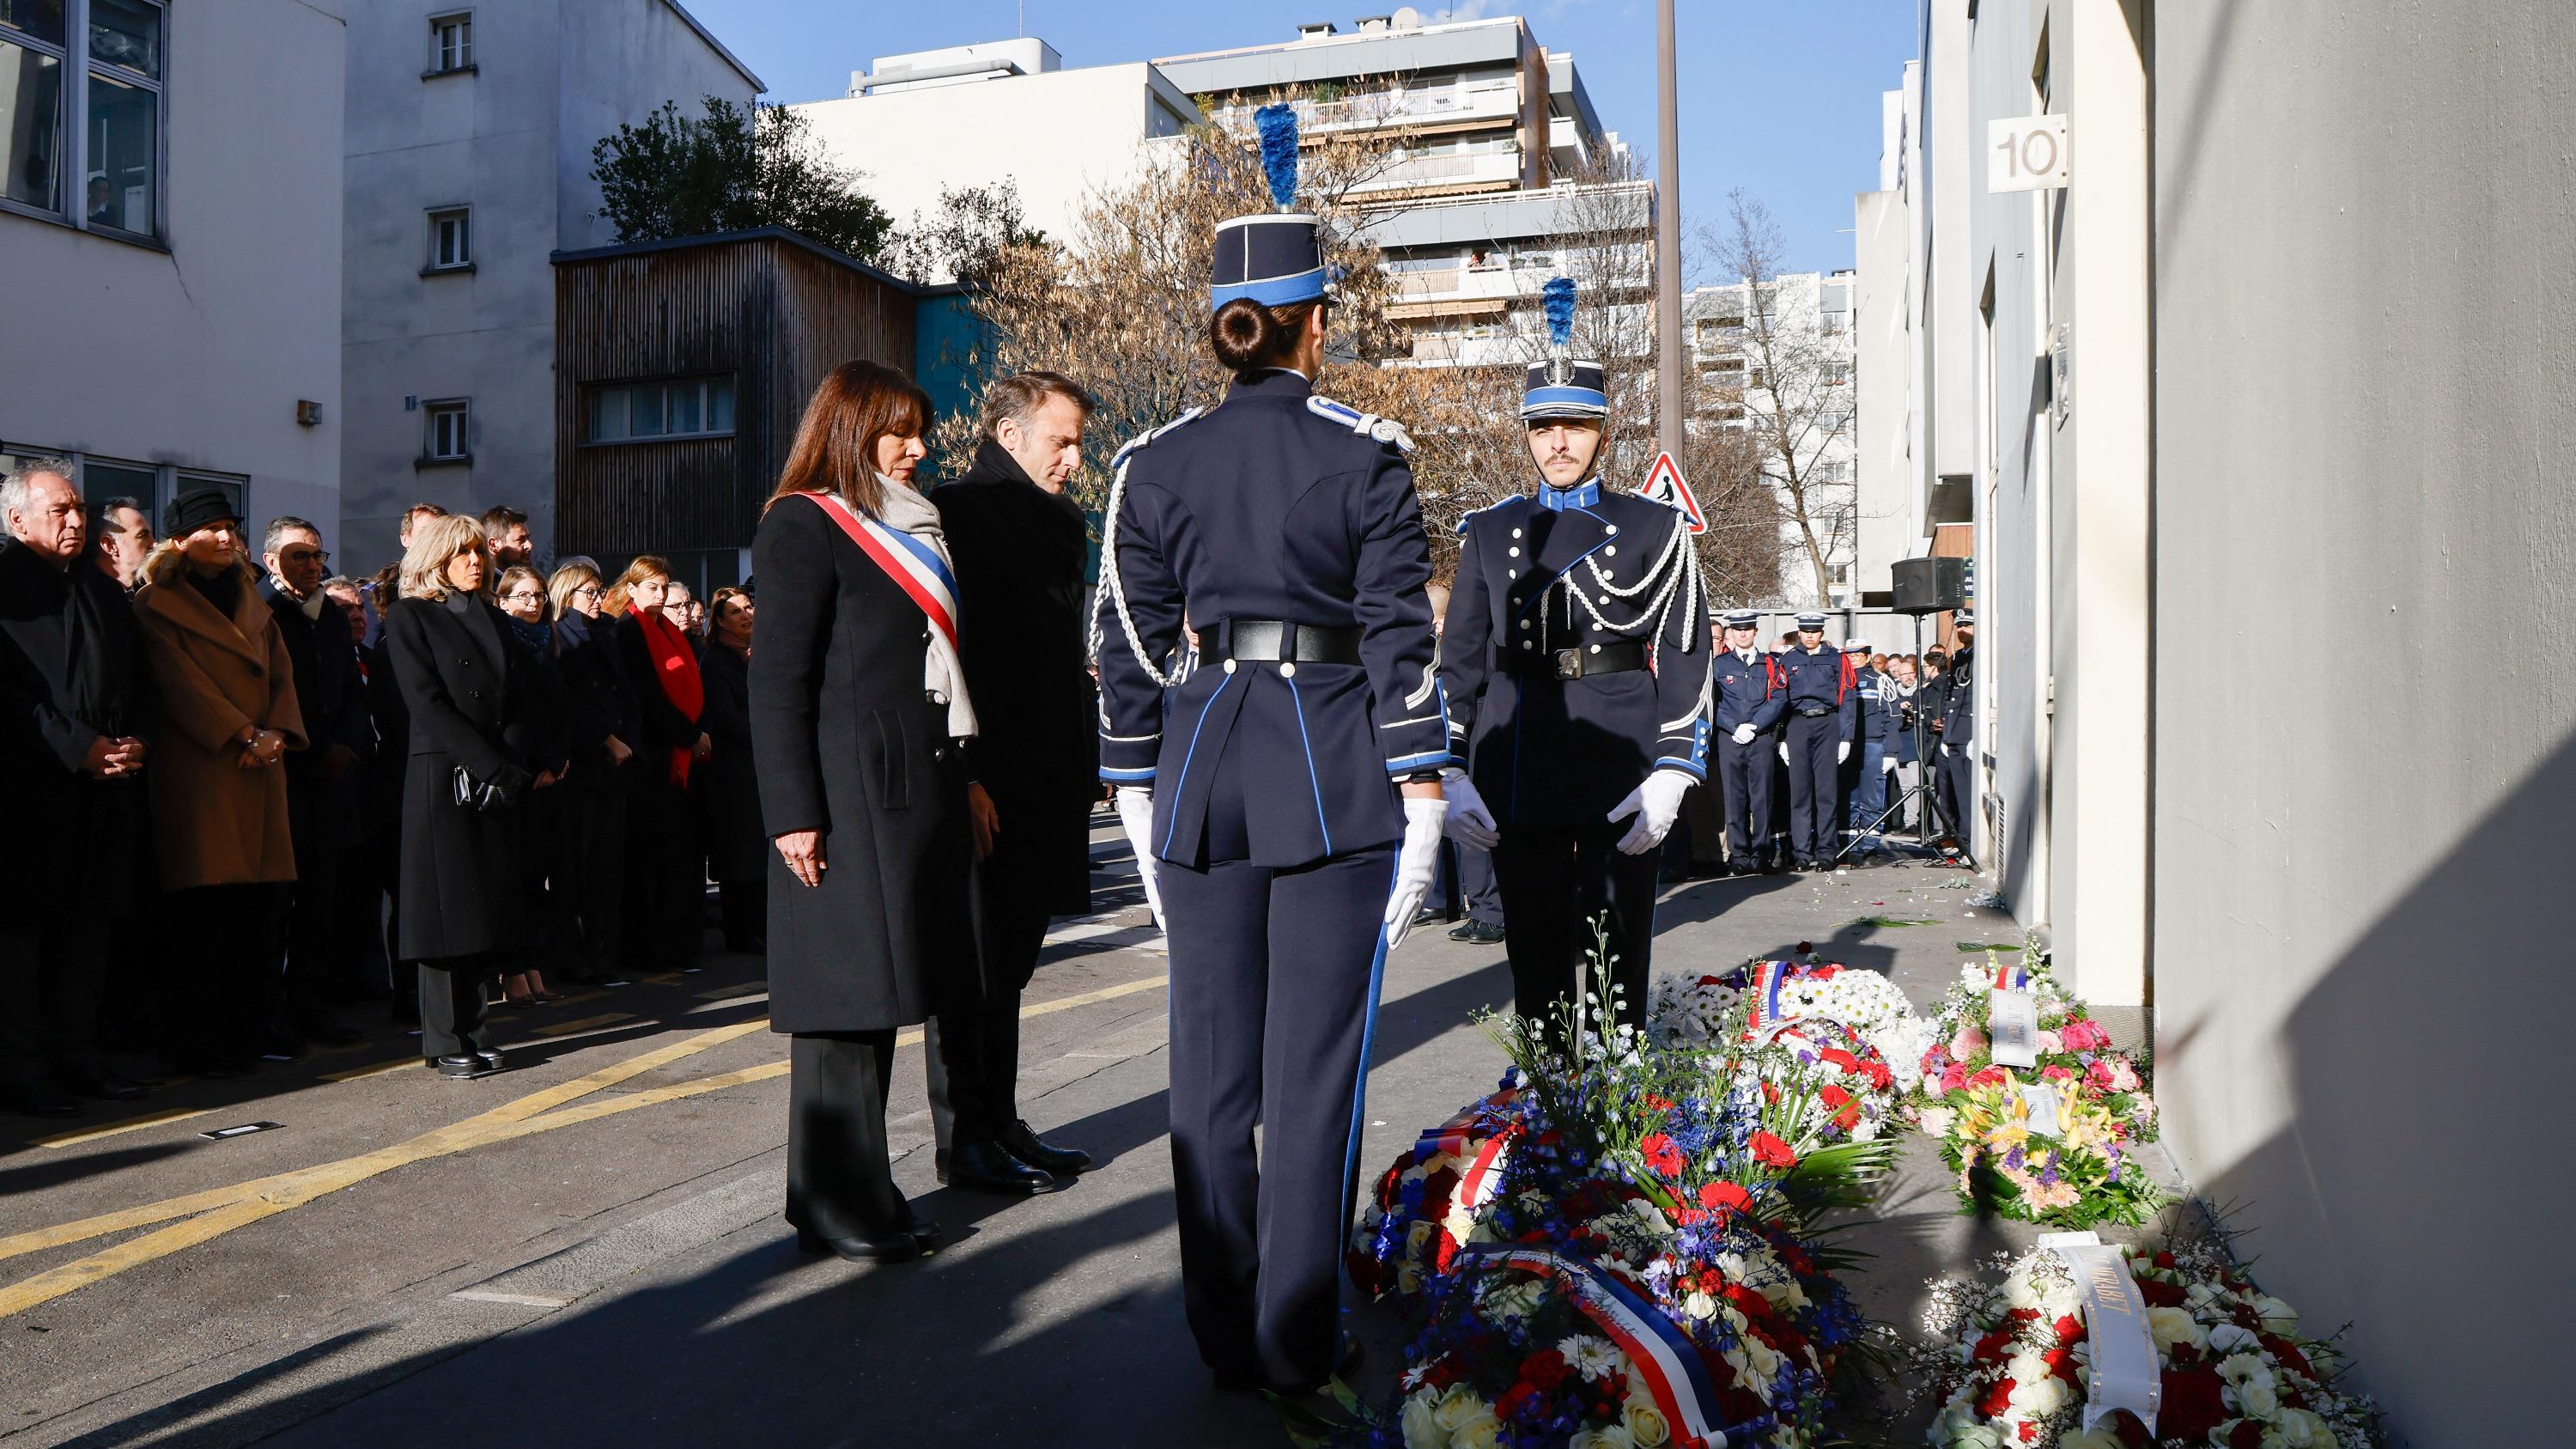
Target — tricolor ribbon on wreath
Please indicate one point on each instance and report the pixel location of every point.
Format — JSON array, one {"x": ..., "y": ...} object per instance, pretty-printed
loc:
[
  {"x": 2012, "y": 976},
  {"x": 1474, "y": 1129},
  {"x": 1770, "y": 978},
  {"x": 1664, "y": 1356}
]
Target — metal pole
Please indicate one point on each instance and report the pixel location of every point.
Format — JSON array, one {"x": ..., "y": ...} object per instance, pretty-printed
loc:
[{"x": 1670, "y": 400}]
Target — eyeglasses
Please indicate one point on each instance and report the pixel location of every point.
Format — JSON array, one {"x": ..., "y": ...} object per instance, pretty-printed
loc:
[
  {"x": 529, "y": 596},
  {"x": 588, "y": 591},
  {"x": 306, "y": 555}
]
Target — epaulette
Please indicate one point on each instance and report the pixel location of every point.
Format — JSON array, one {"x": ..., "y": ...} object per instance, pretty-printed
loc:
[
  {"x": 1370, "y": 425},
  {"x": 1141, "y": 439}
]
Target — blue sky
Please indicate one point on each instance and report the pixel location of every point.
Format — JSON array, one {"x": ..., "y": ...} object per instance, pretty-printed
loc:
[{"x": 1780, "y": 98}]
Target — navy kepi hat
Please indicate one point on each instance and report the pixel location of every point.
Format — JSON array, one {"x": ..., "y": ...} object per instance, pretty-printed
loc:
[
  {"x": 1811, "y": 621},
  {"x": 1742, "y": 618},
  {"x": 1563, "y": 386},
  {"x": 1272, "y": 258}
]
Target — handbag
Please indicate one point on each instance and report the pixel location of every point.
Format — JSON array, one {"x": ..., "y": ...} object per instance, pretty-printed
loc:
[{"x": 481, "y": 795}]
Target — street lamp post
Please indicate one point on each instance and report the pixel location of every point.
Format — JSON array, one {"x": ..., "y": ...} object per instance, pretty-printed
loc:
[{"x": 1669, "y": 398}]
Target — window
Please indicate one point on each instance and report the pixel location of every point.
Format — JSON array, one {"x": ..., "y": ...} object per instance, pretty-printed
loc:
[
  {"x": 99, "y": 120},
  {"x": 451, "y": 43},
  {"x": 449, "y": 250},
  {"x": 446, "y": 427},
  {"x": 689, "y": 407}
]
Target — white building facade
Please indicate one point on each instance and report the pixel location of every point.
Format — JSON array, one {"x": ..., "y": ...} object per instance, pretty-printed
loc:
[
  {"x": 1776, "y": 362},
  {"x": 468, "y": 165},
  {"x": 170, "y": 231}
]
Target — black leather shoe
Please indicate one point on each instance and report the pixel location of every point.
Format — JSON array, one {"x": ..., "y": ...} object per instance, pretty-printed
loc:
[
  {"x": 895, "y": 1248},
  {"x": 1478, "y": 933},
  {"x": 461, "y": 1066},
  {"x": 1022, "y": 1142},
  {"x": 39, "y": 1099},
  {"x": 986, "y": 1167},
  {"x": 491, "y": 1061}
]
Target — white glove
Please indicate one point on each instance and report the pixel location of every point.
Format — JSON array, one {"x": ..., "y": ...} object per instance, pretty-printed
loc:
[
  {"x": 1468, "y": 821},
  {"x": 1784, "y": 752},
  {"x": 1414, "y": 865},
  {"x": 1744, "y": 734},
  {"x": 1887, "y": 764},
  {"x": 1655, "y": 804},
  {"x": 1945, "y": 752},
  {"x": 1136, "y": 817},
  {"x": 1842, "y": 752}
]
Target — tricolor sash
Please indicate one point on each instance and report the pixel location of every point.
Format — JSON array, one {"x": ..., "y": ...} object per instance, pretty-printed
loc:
[
  {"x": 914, "y": 567},
  {"x": 1662, "y": 1354},
  {"x": 1474, "y": 1136}
]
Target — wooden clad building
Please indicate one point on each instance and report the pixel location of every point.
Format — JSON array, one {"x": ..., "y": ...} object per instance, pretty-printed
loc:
[{"x": 681, "y": 369}]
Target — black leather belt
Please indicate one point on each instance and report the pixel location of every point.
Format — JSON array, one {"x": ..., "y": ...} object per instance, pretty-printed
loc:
[
  {"x": 1814, "y": 711},
  {"x": 1276, "y": 640},
  {"x": 1572, "y": 663}
]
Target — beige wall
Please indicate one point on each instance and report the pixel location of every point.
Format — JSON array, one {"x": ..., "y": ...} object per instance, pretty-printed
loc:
[{"x": 2365, "y": 759}]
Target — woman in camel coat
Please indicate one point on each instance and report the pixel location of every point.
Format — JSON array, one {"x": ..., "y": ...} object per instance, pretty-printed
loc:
[{"x": 218, "y": 791}]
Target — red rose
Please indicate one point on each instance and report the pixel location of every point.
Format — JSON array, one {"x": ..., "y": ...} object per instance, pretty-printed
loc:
[
  {"x": 1995, "y": 1347},
  {"x": 2069, "y": 1329},
  {"x": 1840, "y": 1058},
  {"x": 1772, "y": 1152},
  {"x": 2246, "y": 1435},
  {"x": 1661, "y": 1154},
  {"x": 1990, "y": 1077},
  {"x": 1880, "y": 1078},
  {"x": 1544, "y": 1370},
  {"x": 1997, "y": 1399},
  {"x": 2191, "y": 1407},
  {"x": 2159, "y": 1294},
  {"x": 1724, "y": 1195}
]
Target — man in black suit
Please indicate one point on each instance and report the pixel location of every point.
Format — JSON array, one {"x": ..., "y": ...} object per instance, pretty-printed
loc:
[
  {"x": 76, "y": 710},
  {"x": 1019, "y": 543},
  {"x": 321, "y": 782}
]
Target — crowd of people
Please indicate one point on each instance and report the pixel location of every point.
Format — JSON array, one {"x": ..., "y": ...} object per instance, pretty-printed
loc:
[{"x": 273, "y": 794}]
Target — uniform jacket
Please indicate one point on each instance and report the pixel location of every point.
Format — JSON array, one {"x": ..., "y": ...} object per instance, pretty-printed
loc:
[
  {"x": 214, "y": 822},
  {"x": 848, "y": 743},
  {"x": 1747, "y": 693},
  {"x": 1959, "y": 700},
  {"x": 1551, "y": 751},
  {"x": 472, "y": 697},
  {"x": 1020, "y": 553},
  {"x": 1823, "y": 678},
  {"x": 1870, "y": 691},
  {"x": 71, "y": 671},
  {"x": 1278, "y": 505}
]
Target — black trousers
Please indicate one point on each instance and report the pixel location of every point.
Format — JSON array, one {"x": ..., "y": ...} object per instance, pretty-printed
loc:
[
  {"x": 1484, "y": 899},
  {"x": 1815, "y": 786},
  {"x": 1275, "y": 977},
  {"x": 840, "y": 1181},
  {"x": 220, "y": 993},
  {"x": 1555, "y": 880},
  {"x": 1744, "y": 781},
  {"x": 451, "y": 1005},
  {"x": 586, "y": 867},
  {"x": 665, "y": 874},
  {"x": 972, "y": 1044},
  {"x": 1954, "y": 780},
  {"x": 317, "y": 969}
]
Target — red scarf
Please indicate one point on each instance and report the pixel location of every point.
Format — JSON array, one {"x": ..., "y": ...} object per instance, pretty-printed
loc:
[{"x": 675, "y": 668}]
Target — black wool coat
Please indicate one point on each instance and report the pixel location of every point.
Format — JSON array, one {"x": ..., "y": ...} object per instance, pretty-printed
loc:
[
  {"x": 727, "y": 787},
  {"x": 71, "y": 670},
  {"x": 598, "y": 702},
  {"x": 472, "y": 701},
  {"x": 1019, "y": 553},
  {"x": 847, "y": 742}
]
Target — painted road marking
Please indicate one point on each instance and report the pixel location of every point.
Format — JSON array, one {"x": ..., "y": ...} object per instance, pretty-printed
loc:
[
  {"x": 130, "y": 1124},
  {"x": 584, "y": 1024},
  {"x": 220, "y": 1210},
  {"x": 520, "y": 1300},
  {"x": 380, "y": 1069}
]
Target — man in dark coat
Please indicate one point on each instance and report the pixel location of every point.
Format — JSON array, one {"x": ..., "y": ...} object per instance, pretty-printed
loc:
[
  {"x": 76, "y": 710},
  {"x": 321, "y": 781},
  {"x": 1019, "y": 543}
]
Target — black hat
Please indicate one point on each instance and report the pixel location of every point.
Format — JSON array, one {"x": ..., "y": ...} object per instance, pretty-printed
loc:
[
  {"x": 1564, "y": 386},
  {"x": 1811, "y": 621},
  {"x": 192, "y": 511}
]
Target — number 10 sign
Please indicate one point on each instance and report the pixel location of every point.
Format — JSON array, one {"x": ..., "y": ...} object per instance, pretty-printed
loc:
[{"x": 2027, "y": 154}]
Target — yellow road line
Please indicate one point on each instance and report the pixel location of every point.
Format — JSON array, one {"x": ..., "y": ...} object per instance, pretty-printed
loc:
[
  {"x": 739, "y": 988},
  {"x": 380, "y": 1069},
  {"x": 224, "y": 1209},
  {"x": 130, "y": 1124},
  {"x": 562, "y": 1028}
]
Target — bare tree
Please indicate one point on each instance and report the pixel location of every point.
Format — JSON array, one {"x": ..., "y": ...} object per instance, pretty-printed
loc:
[{"x": 1794, "y": 387}]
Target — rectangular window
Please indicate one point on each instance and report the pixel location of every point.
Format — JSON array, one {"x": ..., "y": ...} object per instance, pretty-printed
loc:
[
  {"x": 31, "y": 120},
  {"x": 446, "y": 428},
  {"x": 451, "y": 43},
  {"x": 689, "y": 407},
  {"x": 91, "y": 114},
  {"x": 449, "y": 240}
]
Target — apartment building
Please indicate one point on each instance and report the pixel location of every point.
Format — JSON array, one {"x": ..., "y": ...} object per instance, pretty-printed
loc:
[
  {"x": 170, "y": 233},
  {"x": 2232, "y": 758},
  {"x": 467, "y": 167},
  {"x": 1777, "y": 360}
]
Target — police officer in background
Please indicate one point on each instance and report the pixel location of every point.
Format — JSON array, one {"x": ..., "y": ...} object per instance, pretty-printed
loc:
[
  {"x": 1747, "y": 702},
  {"x": 1305, "y": 745},
  {"x": 1955, "y": 758},
  {"x": 1578, "y": 690},
  {"x": 1821, "y": 722},
  {"x": 1864, "y": 787}
]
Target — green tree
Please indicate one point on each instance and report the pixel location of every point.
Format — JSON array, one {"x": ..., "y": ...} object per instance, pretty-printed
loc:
[{"x": 737, "y": 168}]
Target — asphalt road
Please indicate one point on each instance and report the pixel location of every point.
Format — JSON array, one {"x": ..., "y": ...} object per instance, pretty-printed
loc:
[{"x": 585, "y": 1250}]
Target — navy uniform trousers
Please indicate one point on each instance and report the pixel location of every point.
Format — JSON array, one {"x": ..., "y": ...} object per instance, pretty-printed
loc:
[
  {"x": 1815, "y": 793},
  {"x": 1273, "y": 997},
  {"x": 1744, "y": 773},
  {"x": 1555, "y": 879}
]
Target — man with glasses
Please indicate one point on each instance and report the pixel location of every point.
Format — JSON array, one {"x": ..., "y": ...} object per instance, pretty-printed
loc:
[{"x": 321, "y": 782}]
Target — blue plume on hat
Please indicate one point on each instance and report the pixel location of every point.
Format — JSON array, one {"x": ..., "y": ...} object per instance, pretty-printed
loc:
[
  {"x": 1558, "y": 298},
  {"x": 1278, "y": 127}
]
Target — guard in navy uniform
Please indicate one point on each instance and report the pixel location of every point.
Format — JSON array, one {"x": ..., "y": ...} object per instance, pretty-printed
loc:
[
  {"x": 1954, "y": 758},
  {"x": 1864, "y": 786},
  {"x": 1746, "y": 702},
  {"x": 1577, "y": 671},
  {"x": 1822, "y": 719},
  {"x": 1266, "y": 793}
]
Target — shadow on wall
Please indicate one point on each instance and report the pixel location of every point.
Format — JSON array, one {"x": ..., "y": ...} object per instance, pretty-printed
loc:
[{"x": 2421, "y": 1185}]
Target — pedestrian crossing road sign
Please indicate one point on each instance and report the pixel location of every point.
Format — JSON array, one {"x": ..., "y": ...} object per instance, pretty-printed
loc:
[{"x": 1664, "y": 485}]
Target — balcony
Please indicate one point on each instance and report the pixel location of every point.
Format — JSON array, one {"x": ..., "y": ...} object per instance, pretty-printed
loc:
[
  {"x": 1442, "y": 108},
  {"x": 1425, "y": 289}
]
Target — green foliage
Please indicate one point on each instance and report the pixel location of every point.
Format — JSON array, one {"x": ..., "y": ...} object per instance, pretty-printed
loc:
[{"x": 734, "y": 169}]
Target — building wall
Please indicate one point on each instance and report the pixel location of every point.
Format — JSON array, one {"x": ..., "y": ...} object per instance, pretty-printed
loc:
[
  {"x": 2362, "y": 448},
  {"x": 512, "y": 141},
  {"x": 1881, "y": 363},
  {"x": 195, "y": 357}
]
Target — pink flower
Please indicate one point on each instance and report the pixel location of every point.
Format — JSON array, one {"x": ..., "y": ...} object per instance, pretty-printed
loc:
[
  {"x": 2084, "y": 1036},
  {"x": 2051, "y": 1044},
  {"x": 2113, "y": 1074},
  {"x": 1968, "y": 1042},
  {"x": 1954, "y": 1078},
  {"x": 2056, "y": 1073}
]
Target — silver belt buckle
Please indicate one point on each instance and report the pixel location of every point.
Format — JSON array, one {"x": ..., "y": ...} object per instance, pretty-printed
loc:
[{"x": 1569, "y": 664}]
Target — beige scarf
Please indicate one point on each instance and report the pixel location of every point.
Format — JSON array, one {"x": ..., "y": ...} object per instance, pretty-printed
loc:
[{"x": 943, "y": 674}]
